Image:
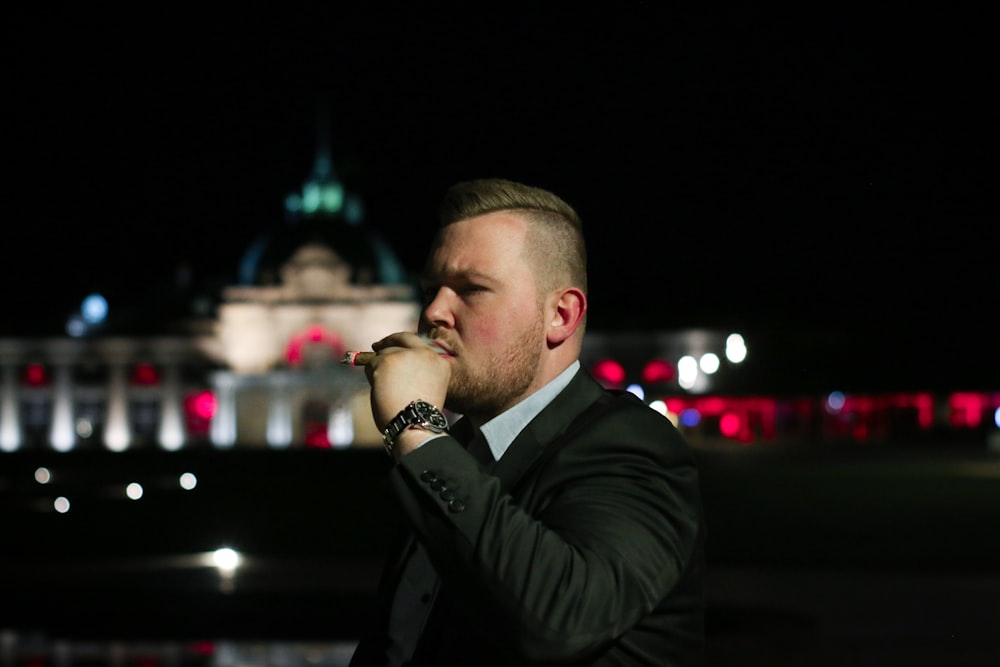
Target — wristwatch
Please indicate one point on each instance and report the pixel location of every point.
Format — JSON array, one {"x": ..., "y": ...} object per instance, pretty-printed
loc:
[{"x": 419, "y": 414}]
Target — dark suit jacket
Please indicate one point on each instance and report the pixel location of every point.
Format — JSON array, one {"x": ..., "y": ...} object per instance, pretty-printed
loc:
[{"x": 583, "y": 546}]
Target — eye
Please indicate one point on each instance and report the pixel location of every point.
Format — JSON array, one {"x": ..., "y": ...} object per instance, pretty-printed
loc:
[
  {"x": 427, "y": 294},
  {"x": 471, "y": 290}
]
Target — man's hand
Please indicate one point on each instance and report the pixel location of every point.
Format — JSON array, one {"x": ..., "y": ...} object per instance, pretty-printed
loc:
[{"x": 404, "y": 369}]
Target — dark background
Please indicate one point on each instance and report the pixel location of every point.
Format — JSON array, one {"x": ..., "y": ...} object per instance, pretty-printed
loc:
[{"x": 820, "y": 177}]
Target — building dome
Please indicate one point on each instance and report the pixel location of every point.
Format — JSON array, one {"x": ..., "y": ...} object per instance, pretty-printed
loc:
[
  {"x": 323, "y": 214},
  {"x": 370, "y": 259}
]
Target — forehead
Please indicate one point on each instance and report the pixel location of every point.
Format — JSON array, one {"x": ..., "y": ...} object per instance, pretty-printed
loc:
[{"x": 486, "y": 243}]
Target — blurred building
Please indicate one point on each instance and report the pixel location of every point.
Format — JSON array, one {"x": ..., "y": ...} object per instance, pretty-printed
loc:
[{"x": 261, "y": 367}]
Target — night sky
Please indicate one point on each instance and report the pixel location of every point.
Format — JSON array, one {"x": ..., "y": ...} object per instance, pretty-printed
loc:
[{"x": 820, "y": 172}]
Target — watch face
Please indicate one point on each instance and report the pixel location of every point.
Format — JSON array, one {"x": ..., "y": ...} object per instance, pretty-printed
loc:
[{"x": 430, "y": 415}]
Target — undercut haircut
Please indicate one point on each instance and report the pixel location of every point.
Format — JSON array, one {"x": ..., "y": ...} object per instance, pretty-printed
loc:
[{"x": 555, "y": 246}]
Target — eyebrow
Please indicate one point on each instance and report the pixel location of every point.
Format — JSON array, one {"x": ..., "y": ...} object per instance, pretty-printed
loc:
[{"x": 463, "y": 274}]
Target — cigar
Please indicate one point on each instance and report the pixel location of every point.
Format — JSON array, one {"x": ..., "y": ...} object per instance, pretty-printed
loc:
[
  {"x": 357, "y": 358},
  {"x": 354, "y": 358}
]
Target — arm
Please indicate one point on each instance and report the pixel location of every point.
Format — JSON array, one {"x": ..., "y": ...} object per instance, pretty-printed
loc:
[{"x": 594, "y": 541}]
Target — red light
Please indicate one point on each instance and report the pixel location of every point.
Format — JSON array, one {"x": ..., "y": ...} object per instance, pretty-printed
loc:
[
  {"x": 201, "y": 648},
  {"x": 676, "y": 405},
  {"x": 313, "y": 335},
  {"x": 35, "y": 375},
  {"x": 711, "y": 405},
  {"x": 658, "y": 370},
  {"x": 316, "y": 436},
  {"x": 729, "y": 425},
  {"x": 202, "y": 405},
  {"x": 199, "y": 408},
  {"x": 145, "y": 375},
  {"x": 609, "y": 372},
  {"x": 967, "y": 409}
]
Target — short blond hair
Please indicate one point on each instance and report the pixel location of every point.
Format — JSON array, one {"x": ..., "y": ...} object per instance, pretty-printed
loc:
[{"x": 556, "y": 249}]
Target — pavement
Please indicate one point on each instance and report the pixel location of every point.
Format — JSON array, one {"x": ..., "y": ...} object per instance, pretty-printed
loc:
[
  {"x": 781, "y": 618},
  {"x": 817, "y": 556}
]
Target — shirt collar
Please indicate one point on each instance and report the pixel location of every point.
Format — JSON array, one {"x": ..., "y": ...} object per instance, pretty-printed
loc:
[{"x": 502, "y": 429}]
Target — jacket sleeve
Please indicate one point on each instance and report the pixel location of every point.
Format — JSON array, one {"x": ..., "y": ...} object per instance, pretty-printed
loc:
[{"x": 594, "y": 541}]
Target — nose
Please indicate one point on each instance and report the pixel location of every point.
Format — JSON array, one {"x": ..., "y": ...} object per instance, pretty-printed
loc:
[{"x": 437, "y": 311}]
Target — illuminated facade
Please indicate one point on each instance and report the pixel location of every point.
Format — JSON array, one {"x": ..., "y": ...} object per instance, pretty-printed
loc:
[{"x": 263, "y": 370}]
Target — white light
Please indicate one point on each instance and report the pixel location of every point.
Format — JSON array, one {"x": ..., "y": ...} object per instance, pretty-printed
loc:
[
  {"x": 10, "y": 431},
  {"x": 340, "y": 427},
  {"x": 226, "y": 559},
  {"x": 84, "y": 428},
  {"x": 996, "y": 417},
  {"x": 75, "y": 326},
  {"x": 43, "y": 476},
  {"x": 709, "y": 362},
  {"x": 188, "y": 481},
  {"x": 171, "y": 431},
  {"x": 61, "y": 504},
  {"x": 736, "y": 348},
  {"x": 134, "y": 491},
  {"x": 61, "y": 431},
  {"x": 687, "y": 371},
  {"x": 116, "y": 436},
  {"x": 94, "y": 309},
  {"x": 659, "y": 406},
  {"x": 637, "y": 390},
  {"x": 835, "y": 402}
]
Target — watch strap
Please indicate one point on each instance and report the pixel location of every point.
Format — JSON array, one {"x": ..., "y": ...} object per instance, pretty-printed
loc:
[{"x": 418, "y": 414}]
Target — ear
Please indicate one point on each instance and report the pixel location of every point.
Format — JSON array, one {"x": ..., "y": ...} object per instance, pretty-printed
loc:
[{"x": 569, "y": 308}]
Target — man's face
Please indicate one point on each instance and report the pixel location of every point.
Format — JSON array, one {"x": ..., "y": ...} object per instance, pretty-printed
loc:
[{"x": 481, "y": 303}]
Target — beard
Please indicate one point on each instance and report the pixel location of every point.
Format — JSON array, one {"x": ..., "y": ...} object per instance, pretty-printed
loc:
[{"x": 500, "y": 382}]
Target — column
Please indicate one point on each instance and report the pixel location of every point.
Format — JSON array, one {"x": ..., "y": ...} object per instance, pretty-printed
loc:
[
  {"x": 118, "y": 354},
  {"x": 223, "y": 429},
  {"x": 171, "y": 435},
  {"x": 10, "y": 417},
  {"x": 117, "y": 434},
  {"x": 340, "y": 427},
  {"x": 279, "y": 411},
  {"x": 61, "y": 434}
]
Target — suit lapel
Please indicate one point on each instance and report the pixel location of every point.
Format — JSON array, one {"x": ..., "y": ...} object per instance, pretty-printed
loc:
[{"x": 552, "y": 422}]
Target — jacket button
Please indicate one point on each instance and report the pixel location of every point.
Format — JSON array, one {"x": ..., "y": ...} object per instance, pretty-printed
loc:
[
  {"x": 428, "y": 476},
  {"x": 439, "y": 485},
  {"x": 456, "y": 506},
  {"x": 447, "y": 494}
]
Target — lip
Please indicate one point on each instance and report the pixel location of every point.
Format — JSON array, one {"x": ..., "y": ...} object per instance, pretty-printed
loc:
[
  {"x": 440, "y": 346},
  {"x": 444, "y": 350}
]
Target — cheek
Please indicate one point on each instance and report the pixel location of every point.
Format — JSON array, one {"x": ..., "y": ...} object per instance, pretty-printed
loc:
[
  {"x": 488, "y": 329},
  {"x": 498, "y": 326}
]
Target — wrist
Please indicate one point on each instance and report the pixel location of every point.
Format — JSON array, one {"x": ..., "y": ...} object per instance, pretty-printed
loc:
[{"x": 419, "y": 416}]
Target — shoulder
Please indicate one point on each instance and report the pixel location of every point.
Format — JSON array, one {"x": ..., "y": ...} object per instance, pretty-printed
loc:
[
  {"x": 587, "y": 414},
  {"x": 624, "y": 410},
  {"x": 619, "y": 424}
]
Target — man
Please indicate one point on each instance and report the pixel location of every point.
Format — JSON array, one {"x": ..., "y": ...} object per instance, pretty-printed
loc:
[{"x": 580, "y": 541}]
